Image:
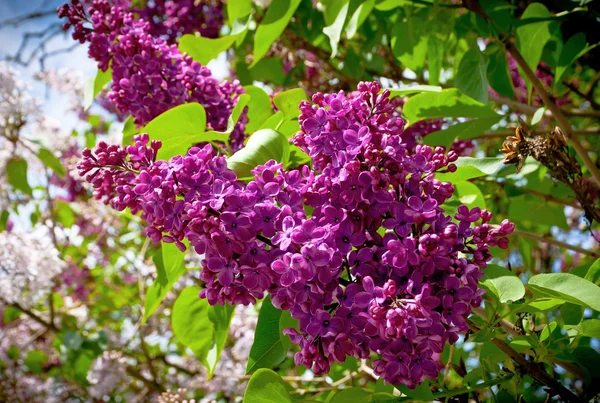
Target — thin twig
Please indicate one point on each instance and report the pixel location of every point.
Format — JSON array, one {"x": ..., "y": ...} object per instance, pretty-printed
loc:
[
  {"x": 533, "y": 192},
  {"x": 592, "y": 131},
  {"x": 534, "y": 370},
  {"x": 552, "y": 241}
]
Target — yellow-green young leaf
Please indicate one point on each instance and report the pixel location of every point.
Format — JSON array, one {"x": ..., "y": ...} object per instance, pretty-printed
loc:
[
  {"x": 358, "y": 17},
  {"x": 268, "y": 348},
  {"x": 262, "y": 146},
  {"x": 503, "y": 283},
  {"x": 449, "y": 103},
  {"x": 52, "y": 162},
  {"x": 566, "y": 286},
  {"x": 532, "y": 37},
  {"x": 203, "y": 50},
  {"x": 469, "y": 168},
  {"x": 129, "y": 130},
  {"x": 334, "y": 31},
  {"x": 288, "y": 101},
  {"x": 469, "y": 194},
  {"x": 169, "y": 268},
  {"x": 538, "y": 115},
  {"x": 34, "y": 361},
  {"x": 593, "y": 273},
  {"x": 259, "y": 108},
  {"x": 415, "y": 89},
  {"x": 471, "y": 77},
  {"x": 353, "y": 395},
  {"x": 64, "y": 214},
  {"x": 460, "y": 131},
  {"x": 265, "y": 386},
  {"x": 94, "y": 86},
  {"x": 243, "y": 100},
  {"x": 16, "y": 170},
  {"x": 179, "y": 128},
  {"x": 238, "y": 9},
  {"x": 410, "y": 42},
  {"x": 276, "y": 19},
  {"x": 589, "y": 328}
]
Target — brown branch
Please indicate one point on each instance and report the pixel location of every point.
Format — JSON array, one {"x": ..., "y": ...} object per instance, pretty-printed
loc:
[
  {"x": 151, "y": 384},
  {"x": 533, "y": 192},
  {"x": 532, "y": 369},
  {"x": 591, "y": 131},
  {"x": 35, "y": 317},
  {"x": 530, "y": 110},
  {"x": 552, "y": 241},
  {"x": 31, "y": 16}
]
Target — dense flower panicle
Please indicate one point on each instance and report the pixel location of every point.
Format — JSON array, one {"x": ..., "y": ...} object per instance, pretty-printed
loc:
[
  {"x": 171, "y": 19},
  {"x": 25, "y": 276},
  {"x": 377, "y": 267},
  {"x": 149, "y": 74}
]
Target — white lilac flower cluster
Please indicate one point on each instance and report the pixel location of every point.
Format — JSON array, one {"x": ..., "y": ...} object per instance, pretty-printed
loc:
[
  {"x": 17, "y": 106},
  {"x": 28, "y": 264},
  {"x": 107, "y": 374}
]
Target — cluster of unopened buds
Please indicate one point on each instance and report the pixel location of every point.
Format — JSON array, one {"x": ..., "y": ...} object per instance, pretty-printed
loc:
[{"x": 358, "y": 248}]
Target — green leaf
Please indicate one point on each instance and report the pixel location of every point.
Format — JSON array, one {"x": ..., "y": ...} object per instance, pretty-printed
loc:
[
  {"x": 169, "y": 267},
  {"x": 334, "y": 31},
  {"x": 471, "y": 77},
  {"x": 571, "y": 313},
  {"x": 435, "y": 56},
  {"x": 268, "y": 349},
  {"x": 179, "y": 128},
  {"x": 203, "y": 50},
  {"x": 129, "y": 130},
  {"x": 13, "y": 352},
  {"x": 503, "y": 283},
  {"x": 497, "y": 71},
  {"x": 450, "y": 103},
  {"x": 288, "y": 102},
  {"x": 94, "y": 86},
  {"x": 243, "y": 100},
  {"x": 72, "y": 340},
  {"x": 589, "y": 328},
  {"x": 358, "y": 17},
  {"x": 220, "y": 316},
  {"x": 546, "y": 213},
  {"x": 421, "y": 392},
  {"x": 265, "y": 386},
  {"x": 259, "y": 108},
  {"x": 262, "y": 146},
  {"x": 352, "y": 395},
  {"x": 573, "y": 50},
  {"x": 415, "y": 89},
  {"x": 568, "y": 287},
  {"x": 469, "y": 168},
  {"x": 271, "y": 27},
  {"x": 538, "y": 115},
  {"x": 52, "y": 162},
  {"x": 238, "y": 9},
  {"x": 16, "y": 170},
  {"x": 35, "y": 360},
  {"x": 64, "y": 214},
  {"x": 201, "y": 327},
  {"x": 460, "y": 131},
  {"x": 409, "y": 42},
  {"x": 531, "y": 38},
  {"x": 469, "y": 194},
  {"x": 593, "y": 273}
]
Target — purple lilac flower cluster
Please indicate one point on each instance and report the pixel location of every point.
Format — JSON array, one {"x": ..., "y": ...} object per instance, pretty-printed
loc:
[
  {"x": 149, "y": 75},
  {"x": 170, "y": 19},
  {"x": 377, "y": 267}
]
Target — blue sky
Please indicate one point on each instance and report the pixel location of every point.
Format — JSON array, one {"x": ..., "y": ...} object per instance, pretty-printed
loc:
[{"x": 55, "y": 104}]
